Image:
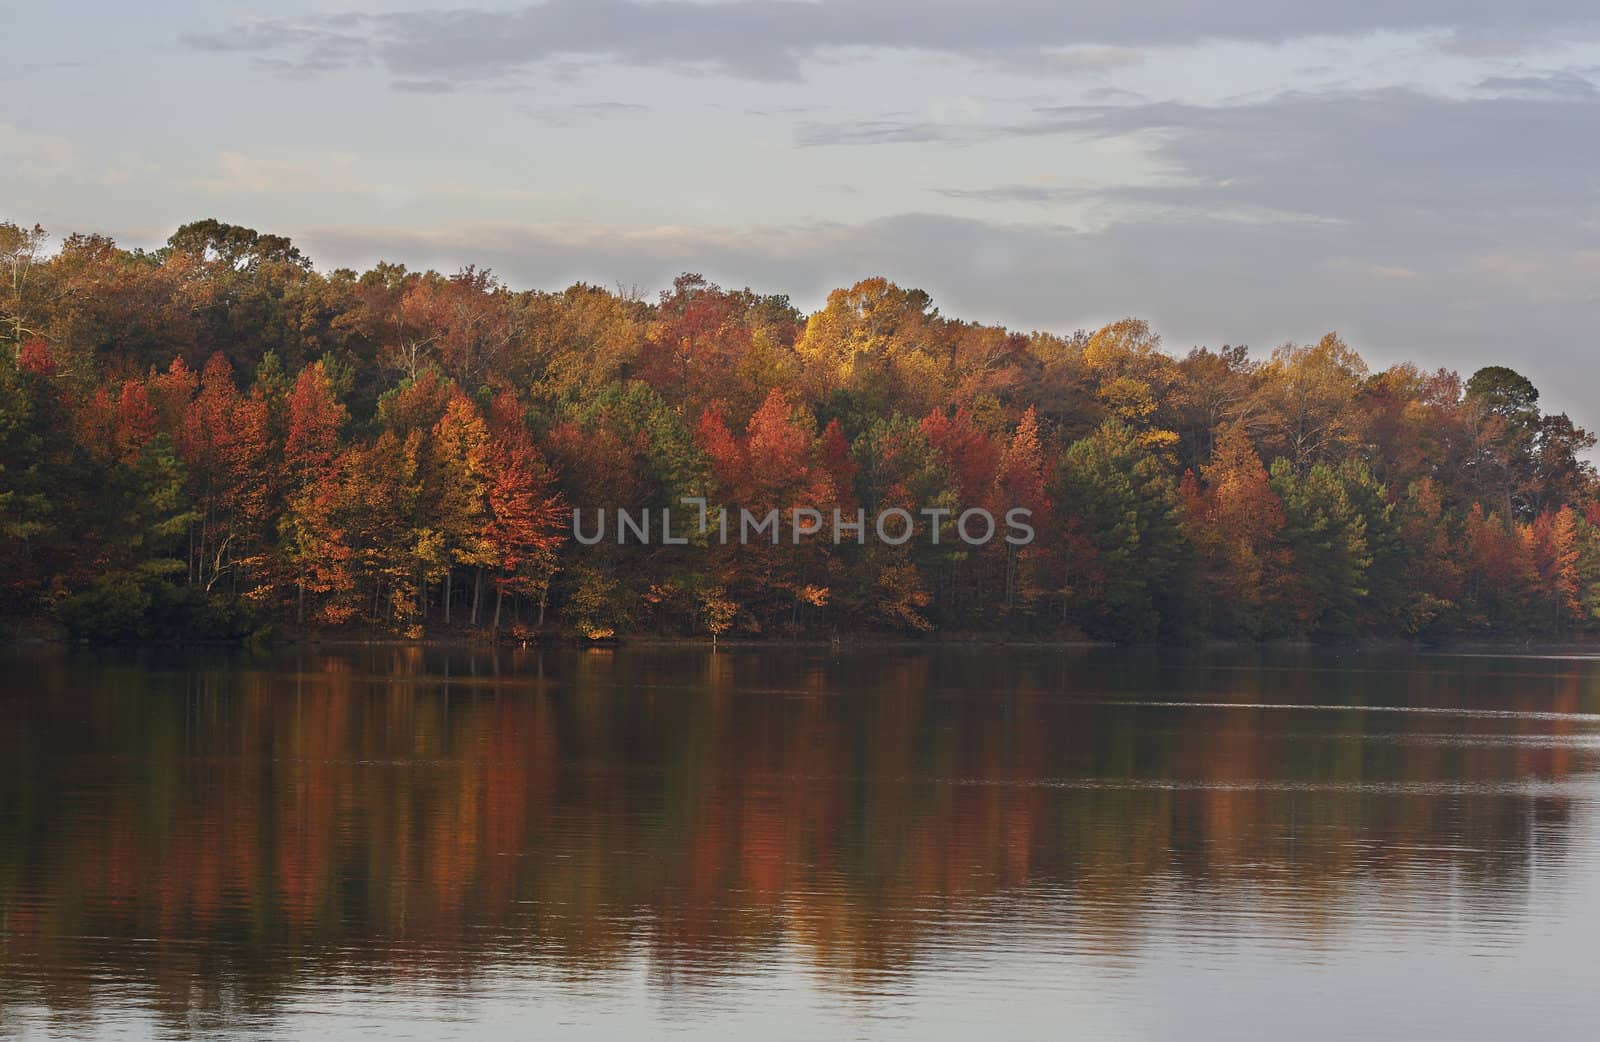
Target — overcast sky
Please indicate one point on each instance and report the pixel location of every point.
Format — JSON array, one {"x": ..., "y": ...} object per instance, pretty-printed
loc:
[{"x": 1420, "y": 176}]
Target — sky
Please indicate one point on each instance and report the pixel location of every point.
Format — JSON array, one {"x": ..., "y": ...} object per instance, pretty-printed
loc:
[{"x": 1422, "y": 177}]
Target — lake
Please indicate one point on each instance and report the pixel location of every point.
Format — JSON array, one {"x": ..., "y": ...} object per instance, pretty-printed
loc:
[{"x": 956, "y": 843}]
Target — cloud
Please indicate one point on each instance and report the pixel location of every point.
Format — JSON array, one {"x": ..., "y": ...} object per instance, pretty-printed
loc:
[
  {"x": 235, "y": 173},
  {"x": 1409, "y": 161},
  {"x": 776, "y": 39},
  {"x": 1502, "y": 40},
  {"x": 323, "y": 45},
  {"x": 884, "y": 132},
  {"x": 1113, "y": 96},
  {"x": 1567, "y": 86},
  {"x": 423, "y": 86},
  {"x": 1069, "y": 61},
  {"x": 32, "y": 70},
  {"x": 588, "y": 109},
  {"x": 34, "y": 156},
  {"x": 1401, "y": 162},
  {"x": 568, "y": 115},
  {"x": 1037, "y": 195},
  {"x": 611, "y": 106}
]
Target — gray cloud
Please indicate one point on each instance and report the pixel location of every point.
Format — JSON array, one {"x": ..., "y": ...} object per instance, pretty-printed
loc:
[
  {"x": 1038, "y": 195},
  {"x": 1502, "y": 39},
  {"x": 884, "y": 132},
  {"x": 326, "y": 45},
  {"x": 1400, "y": 163},
  {"x": 424, "y": 86},
  {"x": 774, "y": 39},
  {"x": 1568, "y": 86},
  {"x": 611, "y": 106},
  {"x": 564, "y": 116},
  {"x": 1074, "y": 61},
  {"x": 1113, "y": 96},
  {"x": 1395, "y": 158}
]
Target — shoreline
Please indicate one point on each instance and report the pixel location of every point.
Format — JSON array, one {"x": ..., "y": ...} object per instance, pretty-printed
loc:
[{"x": 36, "y": 633}]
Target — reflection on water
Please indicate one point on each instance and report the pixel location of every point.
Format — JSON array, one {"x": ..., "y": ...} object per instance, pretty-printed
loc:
[{"x": 1025, "y": 843}]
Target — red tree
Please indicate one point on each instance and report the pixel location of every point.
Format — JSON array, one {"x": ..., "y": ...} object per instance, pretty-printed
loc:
[
  {"x": 526, "y": 513},
  {"x": 315, "y": 419}
]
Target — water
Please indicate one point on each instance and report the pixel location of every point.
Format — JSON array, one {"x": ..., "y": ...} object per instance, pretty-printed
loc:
[{"x": 1019, "y": 844}]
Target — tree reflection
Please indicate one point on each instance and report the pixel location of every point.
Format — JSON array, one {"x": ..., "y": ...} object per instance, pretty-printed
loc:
[{"x": 214, "y": 835}]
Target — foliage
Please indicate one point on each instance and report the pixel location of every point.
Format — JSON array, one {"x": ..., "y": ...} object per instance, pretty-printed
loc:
[{"x": 214, "y": 436}]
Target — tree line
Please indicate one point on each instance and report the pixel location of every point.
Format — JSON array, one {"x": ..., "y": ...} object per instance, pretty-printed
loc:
[{"x": 214, "y": 437}]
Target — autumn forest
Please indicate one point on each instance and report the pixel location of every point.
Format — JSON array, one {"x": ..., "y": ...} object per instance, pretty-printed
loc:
[{"x": 217, "y": 441}]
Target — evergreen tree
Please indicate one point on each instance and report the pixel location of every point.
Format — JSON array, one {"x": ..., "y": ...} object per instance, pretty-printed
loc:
[{"x": 1126, "y": 505}]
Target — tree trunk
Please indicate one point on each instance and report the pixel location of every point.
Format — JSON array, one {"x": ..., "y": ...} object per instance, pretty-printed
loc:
[
  {"x": 448, "y": 572},
  {"x": 300, "y": 603},
  {"x": 477, "y": 594},
  {"x": 499, "y": 599}
]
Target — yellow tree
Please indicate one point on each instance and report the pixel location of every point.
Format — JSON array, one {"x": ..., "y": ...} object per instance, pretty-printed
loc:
[
  {"x": 879, "y": 342},
  {"x": 1235, "y": 522},
  {"x": 456, "y": 483},
  {"x": 1305, "y": 407},
  {"x": 1019, "y": 484},
  {"x": 1135, "y": 382},
  {"x": 21, "y": 260},
  {"x": 1557, "y": 553}
]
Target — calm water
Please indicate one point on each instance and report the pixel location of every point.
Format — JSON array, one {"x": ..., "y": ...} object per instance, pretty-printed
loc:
[{"x": 394, "y": 843}]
